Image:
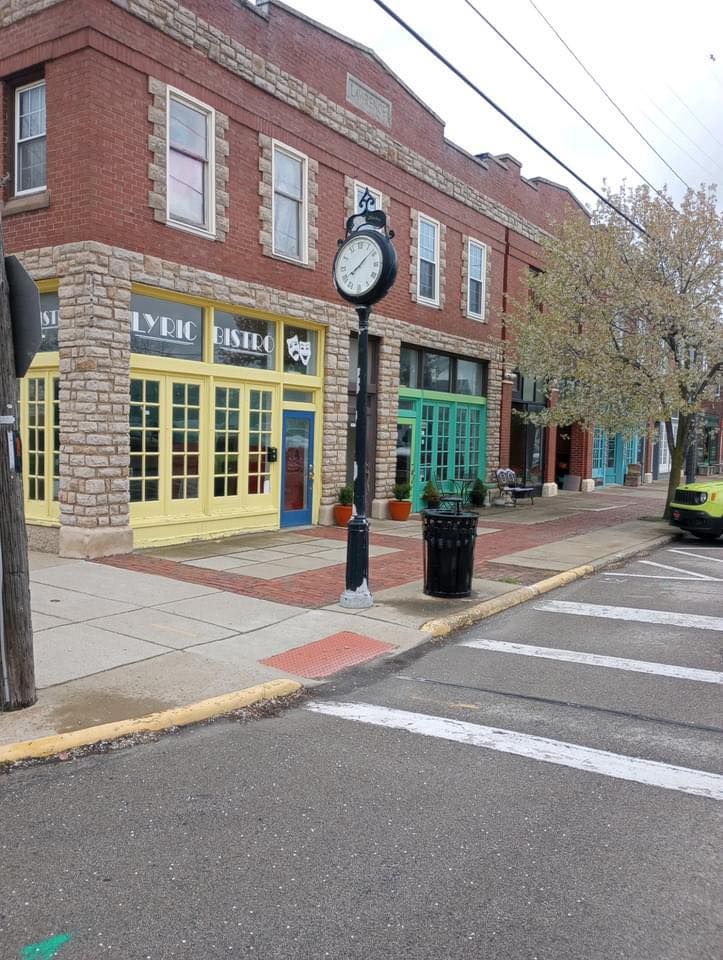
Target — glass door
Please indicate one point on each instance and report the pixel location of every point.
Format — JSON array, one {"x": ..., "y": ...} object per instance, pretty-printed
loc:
[
  {"x": 405, "y": 451},
  {"x": 297, "y": 482},
  {"x": 614, "y": 459}
]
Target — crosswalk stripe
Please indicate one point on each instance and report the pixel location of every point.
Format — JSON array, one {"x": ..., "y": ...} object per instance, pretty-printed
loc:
[
  {"x": 597, "y": 660},
  {"x": 650, "y": 772},
  {"x": 631, "y": 613}
]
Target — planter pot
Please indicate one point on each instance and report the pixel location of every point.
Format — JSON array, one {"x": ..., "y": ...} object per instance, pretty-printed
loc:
[
  {"x": 431, "y": 504},
  {"x": 342, "y": 514},
  {"x": 400, "y": 509}
]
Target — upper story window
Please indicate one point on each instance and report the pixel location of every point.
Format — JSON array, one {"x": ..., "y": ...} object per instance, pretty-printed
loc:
[
  {"x": 289, "y": 214},
  {"x": 190, "y": 163},
  {"x": 422, "y": 369},
  {"x": 476, "y": 269},
  {"x": 30, "y": 139},
  {"x": 428, "y": 261}
]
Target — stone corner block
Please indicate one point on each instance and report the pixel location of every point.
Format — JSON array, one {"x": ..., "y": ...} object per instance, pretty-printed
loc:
[
  {"x": 82, "y": 543},
  {"x": 380, "y": 509}
]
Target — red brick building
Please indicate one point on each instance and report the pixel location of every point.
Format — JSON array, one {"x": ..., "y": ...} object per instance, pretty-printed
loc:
[{"x": 179, "y": 175}]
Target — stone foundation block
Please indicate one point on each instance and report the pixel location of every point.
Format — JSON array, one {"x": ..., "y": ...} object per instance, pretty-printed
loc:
[
  {"x": 84, "y": 543},
  {"x": 380, "y": 509}
]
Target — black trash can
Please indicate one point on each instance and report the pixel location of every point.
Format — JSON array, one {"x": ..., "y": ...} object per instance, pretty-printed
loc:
[{"x": 449, "y": 540}]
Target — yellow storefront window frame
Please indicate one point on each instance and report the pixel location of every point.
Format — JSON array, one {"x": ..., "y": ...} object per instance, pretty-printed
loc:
[
  {"x": 45, "y": 367},
  {"x": 211, "y": 516}
]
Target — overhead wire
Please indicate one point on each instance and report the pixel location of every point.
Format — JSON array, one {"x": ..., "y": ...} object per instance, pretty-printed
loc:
[
  {"x": 695, "y": 116},
  {"x": 495, "y": 106},
  {"x": 564, "y": 99},
  {"x": 672, "y": 139},
  {"x": 687, "y": 136},
  {"x": 607, "y": 95}
]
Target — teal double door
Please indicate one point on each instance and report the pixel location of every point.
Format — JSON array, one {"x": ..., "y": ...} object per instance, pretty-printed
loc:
[
  {"x": 611, "y": 454},
  {"x": 440, "y": 438}
]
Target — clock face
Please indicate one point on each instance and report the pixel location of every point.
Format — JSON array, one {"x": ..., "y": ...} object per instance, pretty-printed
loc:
[{"x": 358, "y": 266}]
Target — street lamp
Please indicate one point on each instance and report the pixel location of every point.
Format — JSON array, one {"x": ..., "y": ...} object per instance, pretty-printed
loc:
[{"x": 364, "y": 271}]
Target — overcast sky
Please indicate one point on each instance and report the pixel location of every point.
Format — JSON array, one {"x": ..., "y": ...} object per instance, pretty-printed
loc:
[{"x": 660, "y": 61}]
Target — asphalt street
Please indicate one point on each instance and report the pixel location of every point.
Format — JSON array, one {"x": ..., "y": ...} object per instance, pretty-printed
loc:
[{"x": 545, "y": 786}]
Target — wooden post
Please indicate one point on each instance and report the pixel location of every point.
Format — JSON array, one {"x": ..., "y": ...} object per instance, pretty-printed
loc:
[{"x": 17, "y": 669}]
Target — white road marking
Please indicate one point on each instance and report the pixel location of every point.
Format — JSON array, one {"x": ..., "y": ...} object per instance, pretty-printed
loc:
[
  {"x": 691, "y": 574},
  {"x": 659, "y": 576},
  {"x": 597, "y": 660},
  {"x": 698, "y": 556},
  {"x": 650, "y": 772},
  {"x": 631, "y": 613}
]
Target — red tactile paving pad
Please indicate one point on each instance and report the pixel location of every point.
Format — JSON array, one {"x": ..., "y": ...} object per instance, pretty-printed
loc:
[{"x": 324, "y": 657}]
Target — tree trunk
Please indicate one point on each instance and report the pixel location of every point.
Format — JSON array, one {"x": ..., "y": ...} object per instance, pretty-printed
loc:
[
  {"x": 678, "y": 448},
  {"x": 17, "y": 687}
]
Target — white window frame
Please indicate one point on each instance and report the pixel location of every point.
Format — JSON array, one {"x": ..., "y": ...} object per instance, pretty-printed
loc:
[
  {"x": 278, "y": 147},
  {"x": 209, "y": 229},
  {"x": 359, "y": 188},
  {"x": 16, "y": 144},
  {"x": 432, "y": 301},
  {"x": 482, "y": 280}
]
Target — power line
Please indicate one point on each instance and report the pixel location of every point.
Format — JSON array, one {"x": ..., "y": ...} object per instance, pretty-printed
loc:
[
  {"x": 606, "y": 95},
  {"x": 695, "y": 116},
  {"x": 458, "y": 73},
  {"x": 672, "y": 140},
  {"x": 566, "y": 101}
]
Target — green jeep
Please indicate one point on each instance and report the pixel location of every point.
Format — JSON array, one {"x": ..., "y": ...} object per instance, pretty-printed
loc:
[{"x": 698, "y": 508}]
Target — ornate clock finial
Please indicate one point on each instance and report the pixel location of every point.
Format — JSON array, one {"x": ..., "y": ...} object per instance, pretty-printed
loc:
[{"x": 367, "y": 201}]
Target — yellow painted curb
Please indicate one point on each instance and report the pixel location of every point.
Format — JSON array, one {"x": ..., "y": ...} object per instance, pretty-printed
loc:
[
  {"x": 176, "y": 717},
  {"x": 488, "y": 608}
]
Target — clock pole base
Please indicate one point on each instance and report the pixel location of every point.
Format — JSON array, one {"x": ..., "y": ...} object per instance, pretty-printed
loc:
[
  {"x": 358, "y": 599},
  {"x": 357, "y": 595}
]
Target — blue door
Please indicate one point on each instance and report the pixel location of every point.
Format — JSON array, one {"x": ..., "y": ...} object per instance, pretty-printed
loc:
[
  {"x": 614, "y": 454},
  {"x": 297, "y": 476}
]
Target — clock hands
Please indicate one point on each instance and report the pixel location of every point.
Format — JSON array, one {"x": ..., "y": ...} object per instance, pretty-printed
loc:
[{"x": 363, "y": 259}]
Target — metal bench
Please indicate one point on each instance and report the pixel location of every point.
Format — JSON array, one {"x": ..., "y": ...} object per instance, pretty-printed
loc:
[{"x": 510, "y": 489}]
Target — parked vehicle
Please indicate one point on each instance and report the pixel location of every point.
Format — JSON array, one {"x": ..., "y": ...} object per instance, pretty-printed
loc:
[{"x": 698, "y": 508}]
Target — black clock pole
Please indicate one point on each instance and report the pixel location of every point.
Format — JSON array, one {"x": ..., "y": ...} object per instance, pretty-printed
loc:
[
  {"x": 357, "y": 545},
  {"x": 365, "y": 231}
]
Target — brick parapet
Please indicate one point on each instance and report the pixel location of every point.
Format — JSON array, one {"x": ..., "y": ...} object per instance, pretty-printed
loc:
[{"x": 186, "y": 27}]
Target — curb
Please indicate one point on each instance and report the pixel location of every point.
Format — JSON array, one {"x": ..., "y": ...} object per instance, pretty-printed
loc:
[
  {"x": 443, "y": 626},
  {"x": 176, "y": 717}
]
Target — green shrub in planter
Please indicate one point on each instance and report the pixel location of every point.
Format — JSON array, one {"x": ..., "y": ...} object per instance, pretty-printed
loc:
[
  {"x": 402, "y": 490},
  {"x": 431, "y": 494},
  {"x": 346, "y": 495},
  {"x": 478, "y": 493}
]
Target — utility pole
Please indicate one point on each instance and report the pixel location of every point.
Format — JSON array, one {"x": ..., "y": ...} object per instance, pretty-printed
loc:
[{"x": 17, "y": 670}]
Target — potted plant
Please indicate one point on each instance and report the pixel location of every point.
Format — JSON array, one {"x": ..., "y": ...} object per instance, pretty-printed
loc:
[
  {"x": 431, "y": 494},
  {"x": 400, "y": 507},
  {"x": 343, "y": 509},
  {"x": 478, "y": 493}
]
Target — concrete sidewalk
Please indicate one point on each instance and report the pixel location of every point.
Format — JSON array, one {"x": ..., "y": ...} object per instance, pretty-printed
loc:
[{"x": 159, "y": 629}]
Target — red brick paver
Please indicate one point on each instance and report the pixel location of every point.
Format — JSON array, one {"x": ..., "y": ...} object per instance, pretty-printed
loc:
[
  {"x": 318, "y": 588},
  {"x": 329, "y": 655}
]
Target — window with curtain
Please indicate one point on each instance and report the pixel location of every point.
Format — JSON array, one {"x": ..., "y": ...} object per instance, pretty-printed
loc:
[
  {"x": 476, "y": 256},
  {"x": 289, "y": 176},
  {"x": 428, "y": 257},
  {"x": 190, "y": 137},
  {"x": 30, "y": 138}
]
